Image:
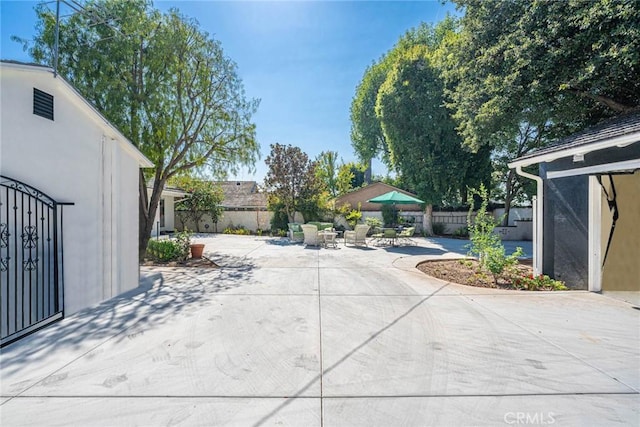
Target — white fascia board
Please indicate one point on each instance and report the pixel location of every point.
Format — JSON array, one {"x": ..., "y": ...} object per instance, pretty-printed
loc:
[
  {"x": 169, "y": 192},
  {"x": 623, "y": 141},
  {"x": 627, "y": 165},
  {"x": 174, "y": 193}
]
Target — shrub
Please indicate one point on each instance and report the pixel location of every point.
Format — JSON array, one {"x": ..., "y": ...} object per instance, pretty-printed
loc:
[
  {"x": 279, "y": 233},
  {"x": 280, "y": 220},
  {"x": 498, "y": 263},
  {"x": 353, "y": 217},
  {"x": 467, "y": 263},
  {"x": 373, "y": 222},
  {"x": 163, "y": 250},
  {"x": 461, "y": 232},
  {"x": 484, "y": 242},
  {"x": 239, "y": 230},
  {"x": 183, "y": 240},
  {"x": 438, "y": 228},
  {"x": 170, "y": 250},
  {"x": 538, "y": 283},
  {"x": 389, "y": 215}
]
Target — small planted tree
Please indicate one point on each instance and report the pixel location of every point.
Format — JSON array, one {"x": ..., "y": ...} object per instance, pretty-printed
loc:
[
  {"x": 291, "y": 180},
  {"x": 485, "y": 244},
  {"x": 204, "y": 197}
]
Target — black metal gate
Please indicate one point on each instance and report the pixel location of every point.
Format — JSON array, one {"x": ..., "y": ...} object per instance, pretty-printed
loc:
[{"x": 31, "y": 288}]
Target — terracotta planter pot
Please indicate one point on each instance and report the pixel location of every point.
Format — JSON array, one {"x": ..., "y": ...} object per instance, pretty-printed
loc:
[{"x": 196, "y": 250}]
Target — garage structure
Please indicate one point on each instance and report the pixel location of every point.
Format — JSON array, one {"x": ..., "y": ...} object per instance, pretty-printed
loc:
[
  {"x": 57, "y": 149},
  {"x": 587, "y": 213}
]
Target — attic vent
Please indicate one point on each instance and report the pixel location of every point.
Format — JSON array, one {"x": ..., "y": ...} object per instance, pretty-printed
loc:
[{"x": 42, "y": 104}]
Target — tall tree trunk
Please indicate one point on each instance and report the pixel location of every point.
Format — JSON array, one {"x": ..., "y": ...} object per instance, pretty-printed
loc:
[
  {"x": 143, "y": 214},
  {"x": 507, "y": 201},
  {"x": 367, "y": 172},
  {"x": 510, "y": 187},
  {"x": 427, "y": 220},
  {"x": 148, "y": 208},
  {"x": 507, "y": 210}
]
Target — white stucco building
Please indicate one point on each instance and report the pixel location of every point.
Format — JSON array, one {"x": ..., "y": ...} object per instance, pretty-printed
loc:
[
  {"x": 54, "y": 140},
  {"x": 164, "y": 221}
]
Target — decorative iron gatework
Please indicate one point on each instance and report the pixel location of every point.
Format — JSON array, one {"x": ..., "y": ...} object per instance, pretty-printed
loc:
[{"x": 31, "y": 290}]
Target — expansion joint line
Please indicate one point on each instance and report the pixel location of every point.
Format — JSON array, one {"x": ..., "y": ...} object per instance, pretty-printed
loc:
[{"x": 320, "y": 346}]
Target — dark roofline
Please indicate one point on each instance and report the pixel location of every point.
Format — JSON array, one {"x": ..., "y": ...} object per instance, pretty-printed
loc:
[{"x": 614, "y": 129}]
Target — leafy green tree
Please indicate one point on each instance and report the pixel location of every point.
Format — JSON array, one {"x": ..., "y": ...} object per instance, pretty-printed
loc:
[
  {"x": 508, "y": 185},
  {"x": 367, "y": 136},
  {"x": 350, "y": 177},
  {"x": 485, "y": 243},
  {"x": 162, "y": 81},
  {"x": 291, "y": 180},
  {"x": 205, "y": 197},
  {"x": 565, "y": 64},
  {"x": 327, "y": 171},
  {"x": 424, "y": 146}
]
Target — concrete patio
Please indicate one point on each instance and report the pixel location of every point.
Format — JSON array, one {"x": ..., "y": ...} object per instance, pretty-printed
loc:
[{"x": 287, "y": 335}]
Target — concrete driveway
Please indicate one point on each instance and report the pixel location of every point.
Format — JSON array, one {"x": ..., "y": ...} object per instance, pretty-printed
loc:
[{"x": 285, "y": 335}]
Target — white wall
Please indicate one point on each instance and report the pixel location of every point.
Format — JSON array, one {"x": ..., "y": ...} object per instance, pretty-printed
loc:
[
  {"x": 169, "y": 215},
  {"x": 515, "y": 214},
  {"x": 452, "y": 220},
  {"x": 75, "y": 158},
  {"x": 251, "y": 220}
]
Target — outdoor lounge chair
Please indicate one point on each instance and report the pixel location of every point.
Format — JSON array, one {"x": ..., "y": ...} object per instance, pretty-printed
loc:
[
  {"x": 295, "y": 232},
  {"x": 358, "y": 236},
  {"x": 310, "y": 235},
  {"x": 405, "y": 236}
]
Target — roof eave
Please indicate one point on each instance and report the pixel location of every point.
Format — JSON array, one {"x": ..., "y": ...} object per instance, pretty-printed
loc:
[{"x": 620, "y": 141}]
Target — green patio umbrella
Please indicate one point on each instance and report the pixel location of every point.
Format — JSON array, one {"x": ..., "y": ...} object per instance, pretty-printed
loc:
[{"x": 395, "y": 198}]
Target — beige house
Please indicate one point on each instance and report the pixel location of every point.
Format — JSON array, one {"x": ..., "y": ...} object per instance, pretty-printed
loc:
[
  {"x": 244, "y": 205},
  {"x": 359, "y": 198}
]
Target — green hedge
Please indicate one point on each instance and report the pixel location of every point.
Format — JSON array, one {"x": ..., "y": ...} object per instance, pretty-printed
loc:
[{"x": 171, "y": 249}]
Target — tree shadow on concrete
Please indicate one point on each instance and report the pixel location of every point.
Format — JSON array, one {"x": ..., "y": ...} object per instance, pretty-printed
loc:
[
  {"x": 415, "y": 250},
  {"x": 281, "y": 241},
  {"x": 162, "y": 294}
]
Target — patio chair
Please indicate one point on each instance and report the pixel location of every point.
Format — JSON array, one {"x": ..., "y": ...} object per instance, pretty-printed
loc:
[
  {"x": 296, "y": 234},
  {"x": 377, "y": 233},
  {"x": 310, "y": 235},
  {"x": 358, "y": 236},
  {"x": 390, "y": 235},
  {"x": 405, "y": 236}
]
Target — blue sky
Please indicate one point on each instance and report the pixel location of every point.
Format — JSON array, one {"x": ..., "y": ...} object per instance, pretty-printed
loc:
[{"x": 302, "y": 59}]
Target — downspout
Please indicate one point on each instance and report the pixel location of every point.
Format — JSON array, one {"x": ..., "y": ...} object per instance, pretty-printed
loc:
[{"x": 537, "y": 220}]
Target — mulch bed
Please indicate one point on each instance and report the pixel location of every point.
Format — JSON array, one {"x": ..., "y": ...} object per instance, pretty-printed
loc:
[{"x": 467, "y": 272}]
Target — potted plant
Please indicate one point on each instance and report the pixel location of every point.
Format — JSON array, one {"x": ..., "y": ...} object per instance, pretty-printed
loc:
[{"x": 196, "y": 250}]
